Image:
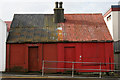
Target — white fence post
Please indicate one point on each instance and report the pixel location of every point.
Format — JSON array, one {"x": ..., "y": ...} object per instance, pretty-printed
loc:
[
  {"x": 72, "y": 69},
  {"x": 43, "y": 68},
  {"x": 100, "y": 71}
]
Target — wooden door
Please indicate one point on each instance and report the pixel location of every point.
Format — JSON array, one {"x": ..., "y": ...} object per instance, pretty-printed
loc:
[
  {"x": 90, "y": 53},
  {"x": 33, "y": 59},
  {"x": 69, "y": 56}
]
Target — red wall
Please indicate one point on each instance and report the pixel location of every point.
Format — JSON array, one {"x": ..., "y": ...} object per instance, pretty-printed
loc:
[
  {"x": 50, "y": 54},
  {"x": 89, "y": 52},
  {"x": 17, "y": 55}
]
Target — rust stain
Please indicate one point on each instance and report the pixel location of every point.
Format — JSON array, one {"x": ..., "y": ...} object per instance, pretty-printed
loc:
[{"x": 41, "y": 28}]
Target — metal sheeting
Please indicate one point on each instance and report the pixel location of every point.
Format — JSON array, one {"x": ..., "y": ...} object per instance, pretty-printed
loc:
[
  {"x": 41, "y": 28},
  {"x": 117, "y": 46},
  {"x": 31, "y": 35},
  {"x": 33, "y": 28},
  {"x": 28, "y": 20},
  {"x": 85, "y": 27}
]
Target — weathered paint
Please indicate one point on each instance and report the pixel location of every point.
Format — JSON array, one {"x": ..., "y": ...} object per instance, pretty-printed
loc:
[
  {"x": 41, "y": 28},
  {"x": 17, "y": 55}
]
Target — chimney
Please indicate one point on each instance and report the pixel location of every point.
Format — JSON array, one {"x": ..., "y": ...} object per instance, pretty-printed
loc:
[{"x": 58, "y": 13}]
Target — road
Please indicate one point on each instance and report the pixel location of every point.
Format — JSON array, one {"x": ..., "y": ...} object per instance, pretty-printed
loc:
[
  {"x": 22, "y": 76},
  {"x": 58, "y": 79}
]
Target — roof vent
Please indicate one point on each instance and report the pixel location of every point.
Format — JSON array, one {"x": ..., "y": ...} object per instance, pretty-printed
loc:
[{"x": 58, "y": 13}]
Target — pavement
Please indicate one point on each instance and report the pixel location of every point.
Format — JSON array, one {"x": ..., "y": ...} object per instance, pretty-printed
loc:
[
  {"x": 38, "y": 76},
  {"x": 56, "y": 79}
]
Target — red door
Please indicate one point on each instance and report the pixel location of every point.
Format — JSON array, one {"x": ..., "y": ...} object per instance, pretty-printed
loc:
[
  {"x": 90, "y": 53},
  {"x": 69, "y": 56},
  {"x": 33, "y": 59}
]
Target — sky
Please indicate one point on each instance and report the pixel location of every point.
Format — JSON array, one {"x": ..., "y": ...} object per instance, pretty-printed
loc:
[{"x": 10, "y": 7}]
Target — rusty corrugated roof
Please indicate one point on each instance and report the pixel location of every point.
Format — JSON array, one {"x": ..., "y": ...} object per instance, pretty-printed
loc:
[
  {"x": 41, "y": 28},
  {"x": 85, "y": 27}
]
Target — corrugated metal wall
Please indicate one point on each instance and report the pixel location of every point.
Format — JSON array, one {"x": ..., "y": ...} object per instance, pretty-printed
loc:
[
  {"x": 88, "y": 52},
  {"x": 17, "y": 55},
  {"x": 117, "y": 53},
  {"x": 117, "y": 46}
]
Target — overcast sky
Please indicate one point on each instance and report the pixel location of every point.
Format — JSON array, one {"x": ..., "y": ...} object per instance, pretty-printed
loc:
[{"x": 10, "y": 7}]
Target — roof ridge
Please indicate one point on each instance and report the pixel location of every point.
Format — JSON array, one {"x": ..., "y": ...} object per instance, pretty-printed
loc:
[{"x": 65, "y": 14}]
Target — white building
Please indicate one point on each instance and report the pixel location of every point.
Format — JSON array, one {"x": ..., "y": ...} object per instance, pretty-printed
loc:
[
  {"x": 112, "y": 19},
  {"x": 3, "y": 35}
]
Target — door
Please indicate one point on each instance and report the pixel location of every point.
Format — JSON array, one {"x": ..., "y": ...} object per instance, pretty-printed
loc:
[
  {"x": 33, "y": 59},
  {"x": 90, "y": 53},
  {"x": 69, "y": 56}
]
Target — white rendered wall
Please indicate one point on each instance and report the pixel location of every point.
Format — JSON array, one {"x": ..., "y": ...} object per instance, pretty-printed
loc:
[
  {"x": 115, "y": 25},
  {"x": 119, "y": 25},
  {"x": 2, "y": 46},
  {"x": 109, "y": 24}
]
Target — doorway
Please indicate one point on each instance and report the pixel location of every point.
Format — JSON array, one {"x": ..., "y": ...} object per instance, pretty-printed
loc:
[
  {"x": 69, "y": 55},
  {"x": 33, "y": 58}
]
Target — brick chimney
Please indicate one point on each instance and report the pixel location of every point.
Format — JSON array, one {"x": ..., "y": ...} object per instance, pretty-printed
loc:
[{"x": 58, "y": 13}]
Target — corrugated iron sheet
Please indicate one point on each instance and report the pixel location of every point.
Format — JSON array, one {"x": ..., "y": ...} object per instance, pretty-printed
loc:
[
  {"x": 85, "y": 27},
  {"x": 41, "y": 28},
  {"x": 117, "y": 46}
]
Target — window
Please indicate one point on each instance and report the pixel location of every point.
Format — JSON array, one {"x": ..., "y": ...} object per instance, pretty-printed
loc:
[{"x": 109, "y": 18}]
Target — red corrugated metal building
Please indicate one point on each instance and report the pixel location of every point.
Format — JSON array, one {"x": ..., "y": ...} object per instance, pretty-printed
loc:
[{"x": 58, "y": 37}]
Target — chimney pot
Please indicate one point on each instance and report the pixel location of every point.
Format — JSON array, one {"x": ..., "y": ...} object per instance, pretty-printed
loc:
[
  {"x": 56, "y": 4},
  {"x": 60, "y": 4}
]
